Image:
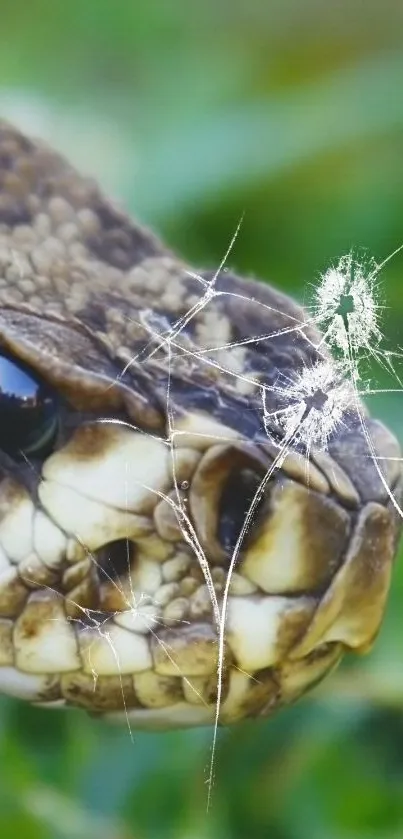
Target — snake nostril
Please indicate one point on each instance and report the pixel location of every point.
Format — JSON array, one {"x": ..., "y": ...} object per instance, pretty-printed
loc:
[
  {"x": 115, "y": 560},
  {"x": 235, "y": 503}
]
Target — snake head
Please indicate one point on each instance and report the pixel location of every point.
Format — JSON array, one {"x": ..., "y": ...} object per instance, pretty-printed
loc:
[{"x": 158, "y": 521}]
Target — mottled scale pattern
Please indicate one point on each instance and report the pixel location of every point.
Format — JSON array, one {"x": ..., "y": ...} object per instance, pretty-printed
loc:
[{"x": 109, "y": 544}]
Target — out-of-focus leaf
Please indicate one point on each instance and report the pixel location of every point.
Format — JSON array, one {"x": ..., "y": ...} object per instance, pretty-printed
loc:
[{"x": 196, "y": 161}]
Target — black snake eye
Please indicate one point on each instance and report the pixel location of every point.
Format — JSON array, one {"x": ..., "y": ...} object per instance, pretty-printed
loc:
[
  {"x": 235, "y": 503},
  {"x": 28, "y": 410}
]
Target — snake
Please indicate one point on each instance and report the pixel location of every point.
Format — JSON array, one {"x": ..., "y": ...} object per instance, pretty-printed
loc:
[{"x": 133, "y": 443}]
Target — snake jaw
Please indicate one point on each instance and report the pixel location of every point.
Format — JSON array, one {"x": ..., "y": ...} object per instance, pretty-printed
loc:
[{"x": 98, "y": 585}]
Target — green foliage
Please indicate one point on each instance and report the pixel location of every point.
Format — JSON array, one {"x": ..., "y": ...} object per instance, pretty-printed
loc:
[{"x": 195, "y": 113}]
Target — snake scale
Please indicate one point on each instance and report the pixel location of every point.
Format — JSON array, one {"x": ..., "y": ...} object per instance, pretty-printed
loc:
[{"x": 131, "y": 444}]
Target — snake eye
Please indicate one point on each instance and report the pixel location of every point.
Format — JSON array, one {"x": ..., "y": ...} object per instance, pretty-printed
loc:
[
  {"x": 235, "y": 503},
  {"x": 28, "y": 410}
]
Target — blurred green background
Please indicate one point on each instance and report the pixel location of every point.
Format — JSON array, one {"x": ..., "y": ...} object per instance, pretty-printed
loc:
[{"x": 193, "y": 113}]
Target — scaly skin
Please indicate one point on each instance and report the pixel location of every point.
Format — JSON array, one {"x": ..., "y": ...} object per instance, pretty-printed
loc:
[{"x": 87, "y": 300}]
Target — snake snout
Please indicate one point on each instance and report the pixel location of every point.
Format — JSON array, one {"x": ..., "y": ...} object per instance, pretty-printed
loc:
[{"x": 108, "y": 578}]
